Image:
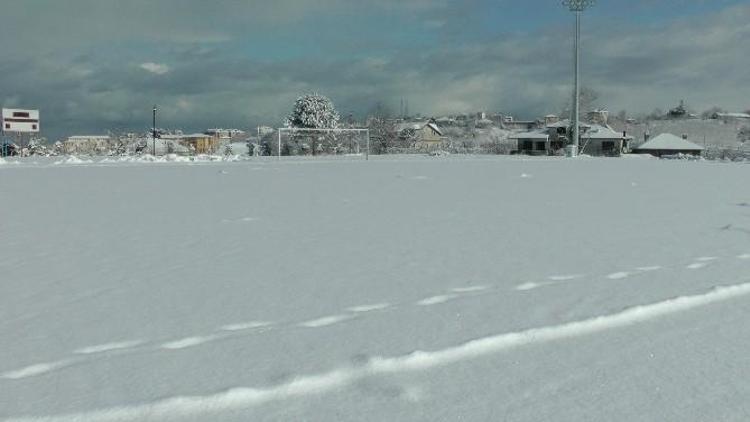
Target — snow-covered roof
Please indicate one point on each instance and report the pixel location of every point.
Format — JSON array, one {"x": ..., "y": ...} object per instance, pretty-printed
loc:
[
  {"x": 566, "y": 123},
  {"x": 603, "y": 132},
  {"x": 667, "y": 141},
  {"x": 190, "y": 136},
  {"x": 435, "y": 128},
  {"x": 87, "y": 137},
  {"x": 410, "y": 125},
  {"x": 732, "y": 115},
  {"x": 418, "y": 126},
  {"x": 530, "y": 135}
]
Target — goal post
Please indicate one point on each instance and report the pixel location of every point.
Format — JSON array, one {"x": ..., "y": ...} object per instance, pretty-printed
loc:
[{"x": 301, "y": 141}]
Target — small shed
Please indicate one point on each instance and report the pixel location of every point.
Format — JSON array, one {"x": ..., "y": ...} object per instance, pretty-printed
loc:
[{"x": 668, "y": 144}]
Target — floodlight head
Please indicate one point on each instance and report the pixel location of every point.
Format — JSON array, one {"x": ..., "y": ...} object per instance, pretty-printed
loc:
[{"x": 578, "y": 5}]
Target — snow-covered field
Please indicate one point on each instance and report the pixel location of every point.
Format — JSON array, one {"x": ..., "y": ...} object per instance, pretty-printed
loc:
[{"x": 407, "y": 288}]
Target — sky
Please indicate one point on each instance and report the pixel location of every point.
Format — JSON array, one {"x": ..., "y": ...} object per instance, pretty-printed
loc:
[{"x": 93, "y": 66}]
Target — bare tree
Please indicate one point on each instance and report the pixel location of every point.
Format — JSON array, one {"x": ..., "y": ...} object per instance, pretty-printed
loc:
[
  {"x": 383, "y": 131},
  {"x": 587, "y": 102}
]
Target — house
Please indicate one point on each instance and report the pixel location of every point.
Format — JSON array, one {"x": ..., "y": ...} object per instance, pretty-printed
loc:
[
  {"x": 551, "y": 119},
  {"x": 423, "y": 135},
  {"x": 533, "y": 143},
  {"x": 511, "y": 124},
  {"x": 227, "y": 135},
  {"x": 668, "y": 144},
  {"x": 87, "y": 144},
  {"x": 197, "y": 143},
  {"x": 200, "y": 143},
  {"x": 595, "y": 139},
  {"x": 604, "y": 141}
]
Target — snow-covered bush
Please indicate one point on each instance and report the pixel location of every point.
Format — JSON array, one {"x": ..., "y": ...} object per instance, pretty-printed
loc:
[{"x": 313, "y": 111}]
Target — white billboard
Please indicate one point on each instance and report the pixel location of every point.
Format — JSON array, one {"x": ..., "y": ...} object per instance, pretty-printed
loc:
[{"x": 18, "y": 120}]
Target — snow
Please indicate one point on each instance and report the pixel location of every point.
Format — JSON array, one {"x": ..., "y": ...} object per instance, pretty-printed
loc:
[
  {"x": 400, "y": 288},
  {"x": 667, "y": 141}
]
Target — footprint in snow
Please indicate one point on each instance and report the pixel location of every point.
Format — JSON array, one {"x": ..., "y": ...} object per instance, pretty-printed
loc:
[
  {"x": 435, "y": 300},
  {"x": 469, "y": 289},
  {"x": 187, "y": 342},
  {"x": 108, "y": 347},
  {"x": 528, "y": 286},
  {"x": 564, "y": 277},
  {"x": 37, "y": 369},
  {"x": 326, "y": 321},
  {"x": 239, "y": 220},
  {"x": 242, "y": 326},
  {"x": 369, "y": 308}
]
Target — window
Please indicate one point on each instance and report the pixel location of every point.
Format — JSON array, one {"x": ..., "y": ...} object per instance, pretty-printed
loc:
[
  {"x": 608, "y": 146},
  {"x": 23, "y": 114},
  {"x": 527, "y": 146},
  {"x": 7, "y": 125},
  {"x": 33, "y": 127},
  {"x": 541, "y": 146}
]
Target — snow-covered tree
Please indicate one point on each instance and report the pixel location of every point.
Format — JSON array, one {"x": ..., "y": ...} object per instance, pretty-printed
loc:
[
  {"x": 59, "y": 149},
  {"x": 313, "y": 111}
]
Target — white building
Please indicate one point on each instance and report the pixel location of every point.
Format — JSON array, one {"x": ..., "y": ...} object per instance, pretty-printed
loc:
[{"x": 87, "y": 144}]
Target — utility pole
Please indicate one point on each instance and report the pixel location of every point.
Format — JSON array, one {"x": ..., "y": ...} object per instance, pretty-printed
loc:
[{"x": 577, "y": 7}]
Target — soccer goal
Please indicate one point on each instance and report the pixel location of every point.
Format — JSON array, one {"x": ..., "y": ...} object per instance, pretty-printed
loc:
[{"x": 303, "y": 141}]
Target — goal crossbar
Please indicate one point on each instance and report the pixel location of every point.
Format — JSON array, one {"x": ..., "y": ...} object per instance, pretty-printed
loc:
[{"x": 338, "y": 130}]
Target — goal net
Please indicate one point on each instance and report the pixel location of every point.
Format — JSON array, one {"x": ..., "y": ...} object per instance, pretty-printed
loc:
[{"x": 300, "y": 141}]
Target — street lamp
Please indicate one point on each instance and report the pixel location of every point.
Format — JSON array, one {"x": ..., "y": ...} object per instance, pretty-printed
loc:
[{"x": 577, "y": 6}]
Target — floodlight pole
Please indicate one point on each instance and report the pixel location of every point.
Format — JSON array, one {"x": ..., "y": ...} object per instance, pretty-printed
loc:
[
  {"x": 577, "y": 6},
  {"x": 153, "y": 130}
]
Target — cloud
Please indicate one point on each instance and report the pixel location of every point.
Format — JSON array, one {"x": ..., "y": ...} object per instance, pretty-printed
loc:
[
  {"x": 156, "y": 68},
  {"x": 229, "y": 67}
]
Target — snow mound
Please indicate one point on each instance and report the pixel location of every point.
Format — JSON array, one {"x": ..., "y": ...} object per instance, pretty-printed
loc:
[
  {"x": 680, "y": 156},
  {"x": 174, "y": 158},
  {"x": 72, "y": 160}
]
